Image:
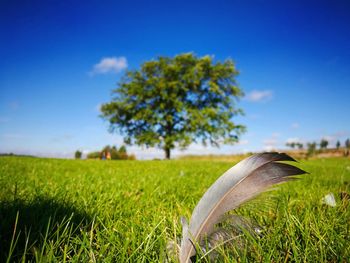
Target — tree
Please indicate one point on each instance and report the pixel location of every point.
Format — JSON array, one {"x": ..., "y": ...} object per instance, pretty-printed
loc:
[
  {"x": 338, "y": 144},
  {"x": 94, "y": 155},
  {"x": 347, "y": 143},
  {"x": 347, "y": 146},
  {"x": 117, "y": 154},
  {"x": 311, "y": 148},
  {"x": 295, "y": 145},
  {"x": 291, "y": 144},
  {"x": 173, "y": 102},
  {"x": 78, "y": 154},
  {"x": 122, "y": 149},
  {"x": 323, "y": 144}
]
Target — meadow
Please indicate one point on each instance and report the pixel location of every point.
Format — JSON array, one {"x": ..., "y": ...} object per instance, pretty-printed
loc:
[{"x": 55, "y": 210}]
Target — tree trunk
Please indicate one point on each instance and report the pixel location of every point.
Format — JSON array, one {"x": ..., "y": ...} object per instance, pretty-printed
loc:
[{"x": 167, "y": 153}]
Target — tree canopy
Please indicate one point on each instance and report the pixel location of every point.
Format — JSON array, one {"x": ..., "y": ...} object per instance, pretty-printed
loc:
[
  {"x": 78, "y": 154},
  {"x": 114, "y": 153},
  {"x": 172, "y": 102},
  {"x": 323, "y": 144}
]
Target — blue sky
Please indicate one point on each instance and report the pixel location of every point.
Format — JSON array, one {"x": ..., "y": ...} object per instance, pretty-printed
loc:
[{"x": 61, "y": 59}]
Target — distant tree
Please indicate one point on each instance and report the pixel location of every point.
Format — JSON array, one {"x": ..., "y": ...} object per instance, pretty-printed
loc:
[
  {"x": 347, "y": 143},
  {"x": 118, "y": 154},
  {"x": 122, "y": 149},
  {"x": 323, "y": 144},
  {"x": 295, "y": 145},
  {"x": 131, "y": 157},
  {"x": 172, "y": 102},
  {"x": 78, "y": 154},
  {"x": 300, "y": 145},
  {"x": 311, "y": 148},
  {"x": 94, "y": 155},
  {"x": 291, "y": 144},
  {"x": 347, "y": 146},
  {"x": 338, "y": 144}
]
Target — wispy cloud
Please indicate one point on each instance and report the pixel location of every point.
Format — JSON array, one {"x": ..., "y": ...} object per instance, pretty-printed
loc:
[
  {"x": 243, "y": 142},
  {"x": 62, "y": 138},
  {"x": 13, "y": 136},
  {"x": 337, "y": 136},
  {"x": 340, "y": 134},
  {"x": 4, "y": 119},
  {"x": 14, "y": 105},
  {"x": 259, "y": 96},
  {"x": 97, "y": 108},
  {"x": 295, "y": 125},
  {"x": 272, "y": 142},
  {"x": 109, "y": 65}
]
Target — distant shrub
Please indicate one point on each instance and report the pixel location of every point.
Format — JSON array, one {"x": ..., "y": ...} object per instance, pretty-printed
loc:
[
  {"x": 78, "y": 154},
  {"x": 338, "y": 144},
  {"x": 347, "y": 143},
  {"x": 323, "y": 144},
  {"x": 311, "y": 149},
  {"x": 94, "y": 155},
  {"x": 113, "y": 153}
]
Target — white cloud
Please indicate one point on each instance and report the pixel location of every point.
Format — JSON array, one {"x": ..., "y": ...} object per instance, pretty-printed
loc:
[
  {"x": 295, "y": 125},
  {"x": 259, "y": 96},
  {"x": 86, "y": 151},
  {"x": 143, "y": 153},
  {"x": 271, "y": 143},
  {"x": 328, "y": 138},
  {"x": 97, "y": 108},
  {"x": 110, "y": 65},
  {"x": 340, "y": 134},
  {"x": 275, "y": 135},
  {"x": 243, "y": 142},
  {"x": 337, "y": 136}
]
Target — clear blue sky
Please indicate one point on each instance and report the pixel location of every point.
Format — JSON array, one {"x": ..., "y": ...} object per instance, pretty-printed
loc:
[{"x": 59, "y": 60}]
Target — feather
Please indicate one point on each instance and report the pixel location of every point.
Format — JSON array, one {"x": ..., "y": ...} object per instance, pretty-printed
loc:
[
  {"x": 231, "y": 233},
  {"x": 239, "y": 184}
]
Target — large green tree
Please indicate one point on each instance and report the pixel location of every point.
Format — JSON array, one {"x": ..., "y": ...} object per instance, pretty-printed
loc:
[{"x": 172, "y": 102}]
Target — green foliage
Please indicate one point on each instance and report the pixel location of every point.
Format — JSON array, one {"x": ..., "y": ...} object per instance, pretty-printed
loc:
[
  {"x": 347, "y": 143},
  {"x": 122, "y": 149},
  {"x": 115, "y": 153},
  {"x": 290, "y": 144},
  {"x": 338, "y": 144},
  {"x": 311, "y": 149},
  {"x": 78, "y": 154},
  {"x": 88, "y": 211},
  {"x": 323, "y": 144},
  {"x": 173, "y": 102},
  {"x": 93, "y": 155},
  {"x": 295, "y": 145}
]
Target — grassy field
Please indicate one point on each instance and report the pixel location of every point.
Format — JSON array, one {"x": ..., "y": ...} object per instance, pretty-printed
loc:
[{"x": 126, "y": 211}]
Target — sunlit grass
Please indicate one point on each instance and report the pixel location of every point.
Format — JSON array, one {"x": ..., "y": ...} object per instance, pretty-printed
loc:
[{"x": 126, "y": 211}]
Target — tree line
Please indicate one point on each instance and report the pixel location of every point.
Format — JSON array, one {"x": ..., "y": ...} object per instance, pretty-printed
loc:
[
  {"x": 108, "y": 153},
  {"x": 323, "y": 144}
]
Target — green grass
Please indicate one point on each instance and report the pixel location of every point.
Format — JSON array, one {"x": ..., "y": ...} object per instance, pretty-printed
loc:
[{"x": 126, "y": 211}]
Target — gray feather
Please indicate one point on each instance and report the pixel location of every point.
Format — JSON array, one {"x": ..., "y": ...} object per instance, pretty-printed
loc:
[{"x": 239, "y": 184}]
